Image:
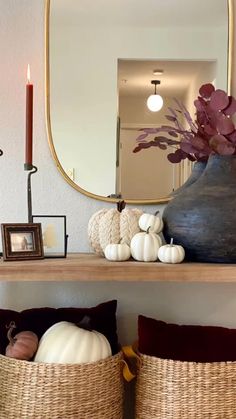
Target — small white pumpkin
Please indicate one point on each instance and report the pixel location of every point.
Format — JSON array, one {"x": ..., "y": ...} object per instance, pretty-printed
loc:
[
  {"x": 117, "y": 252},
  {"x": 144, "y": 246},
  {"x": 66, "y": 343},
  {"x": 151, "y": 220},
  {"x": 171, "y": 253}
]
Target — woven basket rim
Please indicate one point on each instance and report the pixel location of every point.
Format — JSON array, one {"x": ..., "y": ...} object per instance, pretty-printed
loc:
[
  {"x": 156, "y": 358},
  {"x": 57, "y": 364}
]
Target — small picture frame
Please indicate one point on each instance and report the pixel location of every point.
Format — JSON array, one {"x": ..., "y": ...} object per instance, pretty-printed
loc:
[
  {"x": 22, "y": 241},
  {"x": 53, "y": 234}
]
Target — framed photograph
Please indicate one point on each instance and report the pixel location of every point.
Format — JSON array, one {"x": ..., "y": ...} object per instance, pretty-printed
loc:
[
  {"x": 54, "y": 235},
  {"x": 22, "y": 241}
]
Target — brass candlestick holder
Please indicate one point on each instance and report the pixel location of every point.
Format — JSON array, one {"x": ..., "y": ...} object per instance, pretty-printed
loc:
[{"x": 32, "y": 169}]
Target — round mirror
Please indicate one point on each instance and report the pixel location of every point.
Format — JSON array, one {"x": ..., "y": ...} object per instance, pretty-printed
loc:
[{"x": 104, "y": 60}]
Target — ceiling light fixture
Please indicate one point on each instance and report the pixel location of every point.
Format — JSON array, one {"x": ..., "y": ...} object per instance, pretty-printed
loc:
[
  {"x": 158, "y": 72},
  {"x": 155, "y": 102}
]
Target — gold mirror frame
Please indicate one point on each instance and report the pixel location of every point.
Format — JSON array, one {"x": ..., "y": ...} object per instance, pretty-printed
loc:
[{"x": 231, "y": 35}]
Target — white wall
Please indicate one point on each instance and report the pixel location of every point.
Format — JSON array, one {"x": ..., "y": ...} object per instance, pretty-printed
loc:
[{"x": 22, "y": 41}]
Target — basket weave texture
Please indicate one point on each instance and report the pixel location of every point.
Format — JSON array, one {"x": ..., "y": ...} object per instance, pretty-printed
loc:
[
  {"x": 168, "y": 389},
  {"x": 50, "y": 391}
]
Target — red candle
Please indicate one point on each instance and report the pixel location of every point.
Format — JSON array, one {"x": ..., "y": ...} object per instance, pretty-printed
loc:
[{"x": 29, "y": 123}]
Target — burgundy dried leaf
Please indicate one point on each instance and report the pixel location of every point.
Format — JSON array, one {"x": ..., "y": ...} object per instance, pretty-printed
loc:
[
  {"x": 202, "y": 118},
  {"x": 221, "y": 145},
  {"x": 187, "y": 147},
  {"x": 168, "y": 141},
  {"x": 208, "y": 129},
  {"x": 149, "y": 130},
  {"x": 168, "y": 128},
  {"x": 231, "y": 108},
  {"x": 193, "y": 158},
  {"x": 225, "y": 125},
  {"x": 198, "y": 105},
  {"x": 188, "y": 118},
  {"x": 212, "y": 131},
  {"x": 137, "y": 149},
  {"x": 174, "y": 157},
  {"x": 141, "y": 146},
  {"x": 141, "y": 137},
  {"x": 179, "y": 155},
  {"x": 162, "y": 146},
  {"x": 170, "y": 118},
  {"x": 219, "y": 100},
  {"x": 206, "y": 90},
  {"x": 232, "y": 137},
  {"x": 212, "y": 116},
  {"x": 173, "y": 134},
  {"x": 199, "y": 143}
]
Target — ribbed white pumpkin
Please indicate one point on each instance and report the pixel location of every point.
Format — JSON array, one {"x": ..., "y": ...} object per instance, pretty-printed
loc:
[
  {"x": 66, "y": 343},
  {"x": 110, "y": 226},
  {"x": 151, "y": 220},
  {"x": 171, "y": 253},
  {"x": 117, "y": 252},
  {"x": 144, "y": 246}
]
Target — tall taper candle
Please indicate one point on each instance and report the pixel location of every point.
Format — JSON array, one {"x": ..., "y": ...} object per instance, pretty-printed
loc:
[{"x": 29, "y": 123}]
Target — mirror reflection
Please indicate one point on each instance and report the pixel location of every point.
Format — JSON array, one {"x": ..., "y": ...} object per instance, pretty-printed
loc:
[
  {"x": 103, "y": 59},
  {"x": 140, "y": 175}
]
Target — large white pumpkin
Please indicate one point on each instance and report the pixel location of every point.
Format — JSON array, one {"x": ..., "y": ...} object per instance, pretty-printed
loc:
[
  {"x": 66, "y": 343},
  {"x": 151, "y": 221},
  {"x": 144, "y": 246},
  {"x": 113, "y": 226}
]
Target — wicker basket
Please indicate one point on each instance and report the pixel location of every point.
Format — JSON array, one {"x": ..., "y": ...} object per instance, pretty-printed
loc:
[
  {"x": 52, "y": 391},
  {"x": 168, "y": 389}
]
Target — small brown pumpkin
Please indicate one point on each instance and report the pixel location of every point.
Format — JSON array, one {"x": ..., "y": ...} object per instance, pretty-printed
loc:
[{"x": 23, "y": 346}]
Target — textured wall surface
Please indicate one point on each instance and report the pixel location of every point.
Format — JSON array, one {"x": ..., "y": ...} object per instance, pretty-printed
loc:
[{"x": 22, "y": 41}]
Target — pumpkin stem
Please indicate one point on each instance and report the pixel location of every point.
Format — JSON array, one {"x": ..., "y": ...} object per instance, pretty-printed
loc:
[
  {"x": 148, "y": 229},
  {"x": 85, "y": 323},
  {"x": 157, "y": 212},
  {"x": 171, "y": 241},
  {"x": 121, "y": 205},
  {"x": 10, "y": 328}
]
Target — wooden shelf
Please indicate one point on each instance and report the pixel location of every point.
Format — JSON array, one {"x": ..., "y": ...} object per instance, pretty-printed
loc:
[{"x": 90, "y": 267}]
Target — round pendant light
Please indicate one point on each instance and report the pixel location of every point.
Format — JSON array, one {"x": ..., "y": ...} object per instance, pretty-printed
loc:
[{"x": 155, "y": 101}]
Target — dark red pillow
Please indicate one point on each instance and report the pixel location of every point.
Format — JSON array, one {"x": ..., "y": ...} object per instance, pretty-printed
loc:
[
  {"x": 186, "y": 343},
  {"x": 38, "y": 320}
]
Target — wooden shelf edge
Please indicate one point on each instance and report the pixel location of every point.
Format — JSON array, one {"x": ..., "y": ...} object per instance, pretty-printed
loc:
[{"x": 90, "y": 267}]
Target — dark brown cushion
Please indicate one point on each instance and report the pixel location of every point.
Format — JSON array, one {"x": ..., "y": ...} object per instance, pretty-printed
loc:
[
  {"x": 186, "y": 343},
  {"x": 38, "y": 320}
]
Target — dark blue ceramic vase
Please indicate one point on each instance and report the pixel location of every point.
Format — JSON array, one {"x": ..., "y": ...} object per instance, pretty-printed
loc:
[
  {"x": 197, "y": 170},
  {"x": 202, "y": 218}
]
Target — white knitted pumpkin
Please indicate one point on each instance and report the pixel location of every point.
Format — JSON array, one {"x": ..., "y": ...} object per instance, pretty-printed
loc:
[{"x": 112, "y": 226}]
